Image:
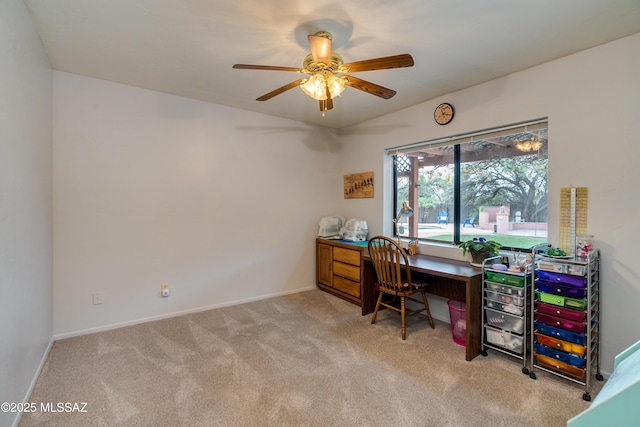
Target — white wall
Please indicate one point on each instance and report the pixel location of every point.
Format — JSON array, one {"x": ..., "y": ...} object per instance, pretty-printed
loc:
[
  {"x": 25, "y": 204},
  {"x": 150, "y": 188},
  {"x": 592, "y": 100}
]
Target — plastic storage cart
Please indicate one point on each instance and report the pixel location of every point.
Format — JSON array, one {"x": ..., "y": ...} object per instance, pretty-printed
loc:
[
  {"x": 566, "y": 318},
  {"x": 506, "y": 310}
]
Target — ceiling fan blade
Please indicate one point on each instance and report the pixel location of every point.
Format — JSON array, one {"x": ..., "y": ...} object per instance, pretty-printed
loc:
[
  {"x": 280, "y": 90},
  {"x": 266, "y": 67},
  {"x": 369, "y": 87},
  {"x": 320, "y": 49},
  {"x": 396, "y": 61}
]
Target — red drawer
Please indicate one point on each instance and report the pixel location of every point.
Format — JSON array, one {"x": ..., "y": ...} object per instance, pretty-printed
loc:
[
  {"x": 559, "y": 322},
  {"x": 565, "y": 313}
]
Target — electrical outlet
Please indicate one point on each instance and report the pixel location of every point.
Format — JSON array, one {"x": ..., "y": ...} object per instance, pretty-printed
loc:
[
  {"x": 97, "y": 298},
  {"x": 164, "y": 290}
]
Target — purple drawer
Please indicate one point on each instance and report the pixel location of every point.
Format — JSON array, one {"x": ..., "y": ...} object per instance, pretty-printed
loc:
[
  {"x": 566, "y": 291},
  {"x": 565, "y": 313},
  {"x": 563, "y": 279},
  {"x": 559, "y": 322}
]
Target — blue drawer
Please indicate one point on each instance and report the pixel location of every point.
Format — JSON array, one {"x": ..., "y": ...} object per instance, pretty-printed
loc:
[
  {"x": 569, "y": 358},
  {"x": 565, "y": 291},
  {"x": 560, "y": 333},
  {"x": 563, "y": 279}
]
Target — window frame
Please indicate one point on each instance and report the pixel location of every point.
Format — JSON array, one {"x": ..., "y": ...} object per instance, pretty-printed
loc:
[{"x": 456, "y": 141}]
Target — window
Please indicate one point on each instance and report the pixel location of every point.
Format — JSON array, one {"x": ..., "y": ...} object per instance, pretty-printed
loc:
[{"x": 490, "y": 183}]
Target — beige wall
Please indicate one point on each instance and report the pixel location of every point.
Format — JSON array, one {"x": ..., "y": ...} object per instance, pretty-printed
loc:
[
  {"x": 150, "y": 188},
  {"x": 25, "y": 204},
  {"x": 592, "y": 101}
]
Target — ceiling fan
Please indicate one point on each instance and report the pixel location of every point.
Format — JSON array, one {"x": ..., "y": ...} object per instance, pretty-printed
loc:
[{"x": 328, "y": 75}]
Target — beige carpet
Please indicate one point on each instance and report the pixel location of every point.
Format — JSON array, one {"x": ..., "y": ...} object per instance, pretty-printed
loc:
[{"x": 307, "y": 359}]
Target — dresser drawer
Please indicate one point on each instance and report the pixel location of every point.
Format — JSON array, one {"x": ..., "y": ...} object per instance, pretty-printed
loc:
[
  {"x": 347, "y": 256},
  {"x": 347, "y": 286},
  {"x": 346, "y": 270}
]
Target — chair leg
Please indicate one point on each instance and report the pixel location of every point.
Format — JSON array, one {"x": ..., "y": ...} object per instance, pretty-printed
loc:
[
  {"x": 403, "y": 314},
  {"x": 426, "y": 306},
  {"x": 375, "y": 312}
]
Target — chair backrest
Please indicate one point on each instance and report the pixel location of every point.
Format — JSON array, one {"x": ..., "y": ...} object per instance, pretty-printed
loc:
[
  {"x": 389, "y": 260},
  {"x": 444, "y": 214}
]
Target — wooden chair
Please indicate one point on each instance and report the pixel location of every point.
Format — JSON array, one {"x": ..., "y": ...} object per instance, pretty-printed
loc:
[{"x": 394, "y": 278}]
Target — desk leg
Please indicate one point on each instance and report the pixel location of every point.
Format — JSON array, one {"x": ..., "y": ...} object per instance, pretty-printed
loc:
[{"x": 474, "y": 317}]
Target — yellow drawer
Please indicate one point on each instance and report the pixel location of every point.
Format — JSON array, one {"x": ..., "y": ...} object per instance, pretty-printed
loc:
[
  {"x": 347, "y": 256},
  {"x": 345, "y": 270},
  {"x": 348, "y": 286}
]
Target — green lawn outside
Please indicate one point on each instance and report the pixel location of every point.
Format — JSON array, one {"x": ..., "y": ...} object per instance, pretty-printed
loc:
[{"x": 508, "y": 241}]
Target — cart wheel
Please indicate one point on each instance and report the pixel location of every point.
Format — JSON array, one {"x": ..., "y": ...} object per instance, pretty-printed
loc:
[
  {"x": 599, "y": 377},
  {"x": 525, "y": 370},
  {"x": 532, "y": 375},
  {"x": 484, "y": 353},
  {"x": 586, "y": 396}
]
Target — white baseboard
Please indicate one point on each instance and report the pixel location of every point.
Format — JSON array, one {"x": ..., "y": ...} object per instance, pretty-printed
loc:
[{"x": 174, "y": 314}]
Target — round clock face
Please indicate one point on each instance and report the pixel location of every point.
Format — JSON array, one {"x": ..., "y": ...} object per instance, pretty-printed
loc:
[{"x": 443, "y": 114}]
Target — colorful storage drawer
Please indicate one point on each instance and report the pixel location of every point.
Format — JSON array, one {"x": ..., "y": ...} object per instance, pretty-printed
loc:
[
  {"x": 504, "y": 339},
  {"x": 506, "y": 279},
  {"x": 561, "y": 367},
  {"x": 567, "y": 291},
  {"x": 559, "y": 322},
  {"x": 577, "y": 270},
  {"x": 509, "y": 308},
  {"x": 505, "y": 298},
  {"x": 577, "y": 304},
  {"x": 569, "y": 347},
  {"x": 565, "y": 313},
  {"x": 505, "y": 289},
  {"x": 569, "y": 358},
  {"x": 560, "y": 333},
  {"x": 505, "y": 321},
  {"x": 563, "y": 279}
]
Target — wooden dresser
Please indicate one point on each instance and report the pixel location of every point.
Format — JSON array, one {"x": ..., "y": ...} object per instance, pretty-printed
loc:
[{"x": 339, "y": 268}]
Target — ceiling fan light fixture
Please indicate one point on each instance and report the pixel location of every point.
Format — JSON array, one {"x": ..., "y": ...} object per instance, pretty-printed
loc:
[
  {"x": 315, "y": 87},
  {"x": 335, "y": 85}
]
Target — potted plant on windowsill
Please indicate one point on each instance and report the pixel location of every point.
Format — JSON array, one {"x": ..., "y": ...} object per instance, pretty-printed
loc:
[{"x": 480, "y": 249}]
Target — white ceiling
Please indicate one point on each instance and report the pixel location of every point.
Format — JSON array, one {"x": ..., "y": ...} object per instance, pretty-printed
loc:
[{"x": 187, "y": 47}]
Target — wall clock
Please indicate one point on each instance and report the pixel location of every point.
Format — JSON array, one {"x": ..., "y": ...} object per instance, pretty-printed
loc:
[{"x": 444, "y": 113}]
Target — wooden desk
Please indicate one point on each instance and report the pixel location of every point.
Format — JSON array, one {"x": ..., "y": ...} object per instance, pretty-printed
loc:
[{"x": 446, "y": 278}]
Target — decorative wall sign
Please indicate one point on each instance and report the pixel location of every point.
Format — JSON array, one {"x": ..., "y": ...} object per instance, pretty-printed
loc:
[{"x": 358, "y": 185}]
